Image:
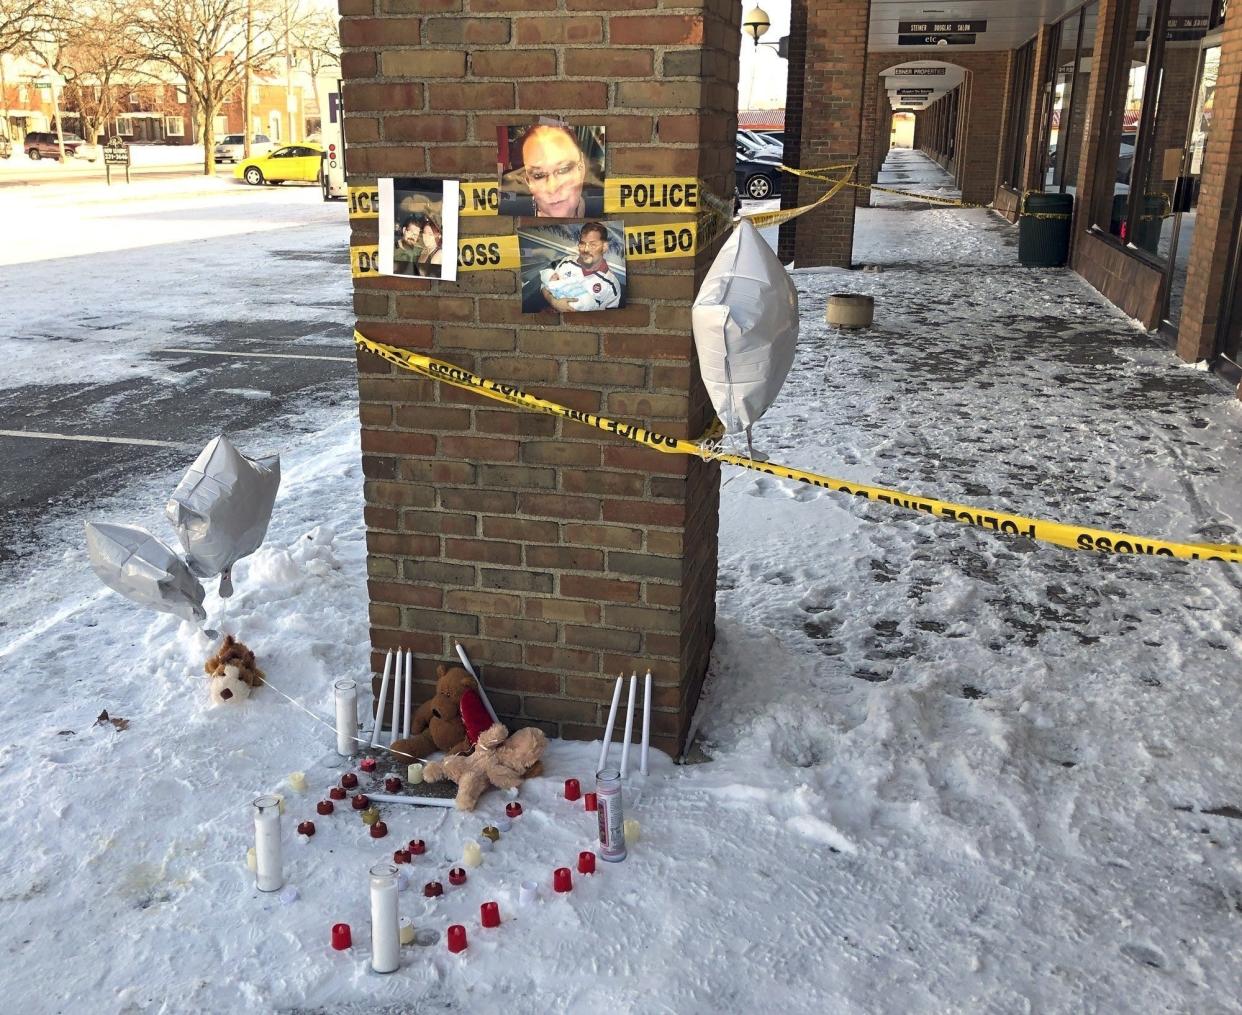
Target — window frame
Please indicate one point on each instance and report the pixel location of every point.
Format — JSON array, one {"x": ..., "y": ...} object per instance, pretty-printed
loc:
[{"x": 1015, "y": 133}]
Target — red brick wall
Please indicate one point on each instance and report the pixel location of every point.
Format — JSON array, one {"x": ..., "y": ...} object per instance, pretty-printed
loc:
[
  {"x": 1218, "y": 206},
  {"x": 559, "y": 556}
]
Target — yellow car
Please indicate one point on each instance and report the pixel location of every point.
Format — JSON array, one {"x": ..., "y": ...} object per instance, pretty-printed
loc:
[{"x": 299, "y": 162}]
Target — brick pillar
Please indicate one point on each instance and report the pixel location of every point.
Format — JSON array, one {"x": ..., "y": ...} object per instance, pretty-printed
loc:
[
  {"x": 831, "y": 123},
  {"x": 794, "y": 80},
  {"x": 981, "y": 117},
  {"x": 557, "y": 554},
  {"x": 1095, "y": 126},
  {"x": 1219, "y": 206}
]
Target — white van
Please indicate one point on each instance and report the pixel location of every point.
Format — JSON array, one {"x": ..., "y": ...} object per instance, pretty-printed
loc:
[{"x": 333, "y": 141}]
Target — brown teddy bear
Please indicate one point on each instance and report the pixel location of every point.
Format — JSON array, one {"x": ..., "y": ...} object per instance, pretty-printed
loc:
[
  {"x": 498, "y": 760},
  {"x": 450, "y": 722},
  {"x": 233, "y": 672}
]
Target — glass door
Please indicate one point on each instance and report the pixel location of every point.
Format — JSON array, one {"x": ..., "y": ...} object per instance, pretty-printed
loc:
[{"x": 1185, "y": 197}]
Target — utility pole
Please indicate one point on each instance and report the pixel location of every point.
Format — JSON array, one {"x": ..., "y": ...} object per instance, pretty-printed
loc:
[
  {"x": 290, "y": 105},
  {"x": 246, "y": 84}
]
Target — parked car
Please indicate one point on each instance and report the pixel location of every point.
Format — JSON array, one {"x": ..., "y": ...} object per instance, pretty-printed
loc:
[
  {"x": 292, "y": 163},
  {"x": 42, "y": 144},
  {"x": 776, "y": 136},
  {"x": 758, "y": 147},
  {"x": 232, "y": 147},
  {"x": 758, "y": 177},
  {"x": 87, "y": 151}
]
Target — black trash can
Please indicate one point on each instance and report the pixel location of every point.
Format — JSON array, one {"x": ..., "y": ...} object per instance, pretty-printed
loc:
[{"x": 1044, "y": 230}]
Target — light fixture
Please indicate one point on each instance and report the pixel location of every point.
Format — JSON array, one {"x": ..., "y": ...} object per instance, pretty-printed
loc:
[{"x": 756, "y": 23}]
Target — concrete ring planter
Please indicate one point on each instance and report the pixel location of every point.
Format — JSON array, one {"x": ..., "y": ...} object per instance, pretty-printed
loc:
[{"x": 850, "y": 310}]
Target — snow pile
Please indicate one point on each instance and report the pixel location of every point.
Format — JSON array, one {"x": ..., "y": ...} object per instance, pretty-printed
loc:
[{"x": 951, "y": 771}]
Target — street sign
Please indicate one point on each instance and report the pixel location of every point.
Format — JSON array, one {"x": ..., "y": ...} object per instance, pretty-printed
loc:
[
  {"x": 47, "y": 85},
  {"x": 914, "y": 91},
  {"x": 920, "y": 72}
]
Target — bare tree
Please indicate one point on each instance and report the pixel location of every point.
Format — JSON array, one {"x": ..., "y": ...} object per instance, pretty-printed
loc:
[
  {"x": 100, "y": 56},
  {"x": 318, "y": 39},
  {"x": 204, "y": 42},
  {"x": 21, "y": 23}
]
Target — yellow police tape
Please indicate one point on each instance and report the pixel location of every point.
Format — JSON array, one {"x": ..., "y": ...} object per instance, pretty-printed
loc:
[
  {"x": 477, "y": 198},
  {"x": 482, "y": 253},
  {"x": 1073, "y": 537}
]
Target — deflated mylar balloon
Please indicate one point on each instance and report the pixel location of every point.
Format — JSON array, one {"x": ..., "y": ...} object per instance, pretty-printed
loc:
[
  {"x": 745, "y": 321},
  {"x": 134, "y": 563},
  {"x": 221, "y": 508}
]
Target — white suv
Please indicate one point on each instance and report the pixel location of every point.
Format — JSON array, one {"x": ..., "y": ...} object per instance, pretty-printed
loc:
[{"x": 232, "y": 147}]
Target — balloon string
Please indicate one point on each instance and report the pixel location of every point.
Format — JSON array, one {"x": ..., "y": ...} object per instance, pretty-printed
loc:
[{"x": 323, "y": 722}]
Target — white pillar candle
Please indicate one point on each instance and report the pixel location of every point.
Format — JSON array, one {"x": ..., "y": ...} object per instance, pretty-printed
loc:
[
  {"x": 471, "y": 853},
  {"x": 407, "y": 931},
  {"x": 406, "y": 711},
  {"x": 398, "y": 682},
  {"x": 414, "y": 774},
  {"x": 379, "y": 708},
  {"x": 346, "y": 716},
  {"x": 642, "y": 761},
  {"x": 629, "y": 726},
  {"x": 269, "y": 875},
  {"x": 612, "y": 718},
  {"x": 385, "y": 924},
  {"x": 297, "y": 782}
]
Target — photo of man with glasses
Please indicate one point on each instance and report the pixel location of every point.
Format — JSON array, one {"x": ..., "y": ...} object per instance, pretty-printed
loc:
[
  {"x": 551, "y": 170},
  {"x": 569, "y": 267}
]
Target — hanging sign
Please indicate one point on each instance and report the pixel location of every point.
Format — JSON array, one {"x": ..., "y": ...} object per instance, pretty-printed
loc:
[
  {"x": 915, "y": 91},
  {"x": 951, "y": 26},
  {"x": 938, "y": 39},
  {"x": 921, "y": 72}
]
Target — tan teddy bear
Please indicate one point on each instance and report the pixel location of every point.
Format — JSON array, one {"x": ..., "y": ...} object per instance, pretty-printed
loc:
[
  {"x": 450, "y": 721},
  {"x": 498, "y": 760},
  {"x": 233, "y": 672}
]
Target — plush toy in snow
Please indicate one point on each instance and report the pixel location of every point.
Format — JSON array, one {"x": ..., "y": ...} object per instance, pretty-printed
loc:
[
  {"x": 232, "y": 672},
  {"x": 450, "y": 722},
  {"x": 497, "y": 760}
]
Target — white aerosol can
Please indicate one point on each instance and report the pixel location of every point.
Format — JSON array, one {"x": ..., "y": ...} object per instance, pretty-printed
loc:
[{"x": 611, "y": 815}]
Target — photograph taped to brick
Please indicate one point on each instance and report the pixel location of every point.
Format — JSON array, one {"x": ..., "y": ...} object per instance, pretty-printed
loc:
[
  {"x": 418, "y": 227},
  {"x": 572, "y": 266},
  {"x": 550, "y": 169}
]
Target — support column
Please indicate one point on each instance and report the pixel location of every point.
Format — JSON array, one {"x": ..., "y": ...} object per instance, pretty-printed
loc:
[
  {"x": 831, "y": 123},
  {"x": 1218, "y": 207},
  {"x": 557, "y": 554},
  {"x": 985, "y": 99}
]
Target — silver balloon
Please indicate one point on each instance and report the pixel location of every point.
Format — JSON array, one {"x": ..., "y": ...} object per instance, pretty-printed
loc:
[
  {"x": 134, "y": 563},
  {"x": 221, "y": 508}
]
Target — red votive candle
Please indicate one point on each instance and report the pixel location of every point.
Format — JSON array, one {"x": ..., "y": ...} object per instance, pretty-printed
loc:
[
  {"x": 349, "y": 780},
  {"x": 336, "y": 793},
  {"x": 361, "y": 802},
  {"x": 392, "y": 784},
  {"x": 379, "y": 830},
  {"x": 456, "y": 938},
  {"x": 513, "y": 809},
  {"x": 433, "y": 889},
  {"x": 341, "y": 937},
  {"x": 586, "y": 862},
  {"x": 401, "y": 856},
  {"x": 572, "y": 789},
  {"x": 367, "y": 764},
  {"x": 457, "y": 876},
  {"x": 489, "y": 914},
  {"x": 590, "y": 801},
  {"x": 417, "y": 847},
  {"x": 562, "y": 880},
  {"x": 324, "y": 807}
]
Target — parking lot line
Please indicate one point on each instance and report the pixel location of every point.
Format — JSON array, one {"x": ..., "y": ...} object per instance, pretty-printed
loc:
[
  {"x": 261, "y": 355},
  {"x": 91, "y": 438}
]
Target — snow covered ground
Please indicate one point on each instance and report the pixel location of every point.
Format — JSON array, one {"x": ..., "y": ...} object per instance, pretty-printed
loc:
[{"x": 951, "y": 771}]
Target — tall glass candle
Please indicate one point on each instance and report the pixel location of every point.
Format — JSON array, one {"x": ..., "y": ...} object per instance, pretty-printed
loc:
[
  {"x": 346, "y": 716},
  {"x": 385, "y": 923},
  {"x": 611, "y": 815},
  {"x": 269, "y": 875}
]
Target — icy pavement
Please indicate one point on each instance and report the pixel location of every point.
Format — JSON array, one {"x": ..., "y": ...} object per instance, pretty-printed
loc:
[{"x": 952, "y": 771}]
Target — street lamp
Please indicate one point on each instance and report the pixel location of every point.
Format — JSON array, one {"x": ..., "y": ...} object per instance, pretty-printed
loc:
[{"x": 756, "y": 22}]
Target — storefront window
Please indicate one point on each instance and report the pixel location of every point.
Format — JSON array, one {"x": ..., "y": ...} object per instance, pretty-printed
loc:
[
  {"x": 1071, "y": 81},
  {"x": 1015, "y": 146},
  {"x": 1149, "y": 123}
]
